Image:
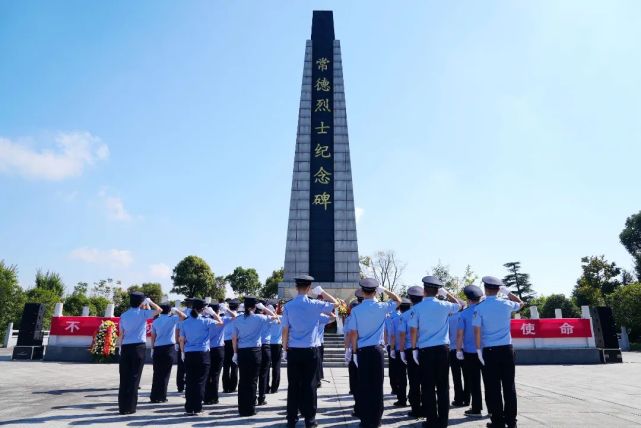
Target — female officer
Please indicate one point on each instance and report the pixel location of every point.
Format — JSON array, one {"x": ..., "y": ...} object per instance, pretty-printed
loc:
[
  {"x": 194, "y": 346},
  {"x": 133, "y": 331},
  {"x": 163, "y": 354},
  {"x": 247, "y": 352},
  {"x": 217, "y": 352},
  {"x": 276, "y": 349}
]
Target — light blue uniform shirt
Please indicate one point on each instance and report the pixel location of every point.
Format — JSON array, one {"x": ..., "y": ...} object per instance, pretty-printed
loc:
[
  {"x": 277, "y": 333},
  {"x": 453, "y": 327},
  {"x": 247, "y": 330},
  {"x": 134, "y": 323},
  {"x": 196, "y": 333},
  {"x": 300, "y": 316},
  {"x": 322, "y": 322},
  {"x": 431, "y": 320},
  {"x": 397, "y": 325},
  {"x": 465, "y": 324},
  {"x": 494, "y": 316},
  {"x": 216, "y": 333},
  {"x": 390, "y": 326},
  {"x": 164, "y": 327},
  {"x": 369, "y": 320},
  {"x": 404, "y": 325},
  {"x": 266, "y": 332},
  {"x": 228, "y": 330}
]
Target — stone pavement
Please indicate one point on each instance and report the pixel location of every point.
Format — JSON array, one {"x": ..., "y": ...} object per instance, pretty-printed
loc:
[{"x": 67, "y": 394}]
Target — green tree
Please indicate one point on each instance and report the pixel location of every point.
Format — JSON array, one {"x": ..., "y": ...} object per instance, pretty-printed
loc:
[
  {"x": 631, "y": 239},
  {"x": 559, "y": 301},
  {"x": 50, "y": 281},
  {"x": 538, "y": 301},
  {"x": 244, "y": 281},
  {"x": 121, "y": 301},
  {"x": 192, "y": 277},
  {"x": 11, "y": 297},
  {"x": 469, "y": 276},
  {"x": 48, "y": 297},
  {"x": 97, "y": 305},
  {"x": 599, "y": 279},
  {"x": 270, "y": 290},
  {"x": 105, "y": 288},
  {"x": 518, "y": 281},
  {"x": 386, "y": 268},
  {"x": 153, "y": 290},
  {"x": 442, "y": 272},
  {"x": 217, "y": 290},
  {"x": 626, "y": 306}
]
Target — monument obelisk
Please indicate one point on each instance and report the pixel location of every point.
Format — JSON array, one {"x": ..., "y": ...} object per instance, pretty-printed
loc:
[{"x": 321, "y": 233}]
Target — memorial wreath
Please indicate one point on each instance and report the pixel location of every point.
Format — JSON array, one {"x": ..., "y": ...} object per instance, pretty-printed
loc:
[{"x": 103, "y": 347}]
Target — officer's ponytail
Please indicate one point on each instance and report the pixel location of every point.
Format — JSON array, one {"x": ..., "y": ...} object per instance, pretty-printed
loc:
[
  {"x": 247, "y": 312},
  {"x": 193, "y": 313},
  {"x": 197, "y": 307},
  {"x": 250, "y": 303}
]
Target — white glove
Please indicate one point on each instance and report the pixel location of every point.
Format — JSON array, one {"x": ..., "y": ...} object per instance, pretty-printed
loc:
[
  {"x": 380, "y": 290},
  {"x": 442, "y": 292},
  {"x": 403, "y": 359},
  {"x": 348, "y": 356},
  {"x": 223, "y": 306},
  {"x": 356, "y": 360},
  {"x": 503, "y": 289},
  {"x": 459, "y": 355},
  {"x": 415, "y": 356},
  {"x": 147, "y": 301},
  {"x": 177, "y": 347},
  {"x": 260, "y": 306},
  {"x": 318, "y": 290},
  {"x": 479, "y": 352},
  {"x": 234, "y": 359},
  {"x": 392, "y": 354},
  {"x": 151, "y": 353},
  {"x": 173, "y": 310},
  {"x": 209, "y": 311},
  {"x": 182, "y": 356},
  {"x": 284, "y": 356}
]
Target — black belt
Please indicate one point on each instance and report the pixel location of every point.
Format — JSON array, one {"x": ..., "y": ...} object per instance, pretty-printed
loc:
[
  {"x": 497, "y": 348},
  {"x": 371, "y": 347},
  {"x": 429, "y": 348}
]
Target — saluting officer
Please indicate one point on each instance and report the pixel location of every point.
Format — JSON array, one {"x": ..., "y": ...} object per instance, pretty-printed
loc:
[
  {"x": 430, "y": 343},
  {"x": 323, "y": 321},
  {"x": 194, "y": 346},
  {"x": 352, "y": 371},
  {"x": 266, "y": 355},
  {"x": 246, "y": 339},
  {"x": 180, "y": 364},
  {"x": 415, "y": 295},
  {"x": 300, "y": 330},
  {"x": 133, "y": 332},
  {"x": 276, "y": 349},
  {"x": 491, "y": 323},
  {"x": 461, "y": 389},
  {"x": 230, "y": 369},
  {"x": 390, "y": 341},
  {"x": 398, "y": 329},
  {"x": 466, "y": 350},
  {"x": 368, "y": 341},
  {"x": 163, "y": 353},
  {"x": 217, "y": 351}
]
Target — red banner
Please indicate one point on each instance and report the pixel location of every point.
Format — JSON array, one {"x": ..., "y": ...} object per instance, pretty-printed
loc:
[
  {"x": 551, "y": 328},
  {"x": 81, "y": 326}
]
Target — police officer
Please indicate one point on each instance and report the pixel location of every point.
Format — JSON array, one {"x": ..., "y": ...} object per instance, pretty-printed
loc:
[
  {"x": 300, "y": 330},
  {"x": 491, "y": 322},
  {"x": 466, "y": 350},
  {"x": 180, "y": 364},
  {"x": 133, "y": 332},
  {"x": 230, "y": 369},
  {"x": 461, "y": 390},
  {"x": 276, "y": 349},
  {"x": 323, "y": 321},
  {"x": 397, "y": 353},
  {"x": 430, "y": 343},
  {"x": 390, "y": 341},
  {"x": 367, "y": 342},
  {"x": 217, "y": 351},
  {"x": 352, "y": 370},
  {"x": 194, "y": 346},
  {"x": 359, "y": 295},
  {"x": 266, "y": 356},
  {"x": 415, "y": 295},
  {"x": 163, "y": 353},
  {"x": 246, "y": 339}
]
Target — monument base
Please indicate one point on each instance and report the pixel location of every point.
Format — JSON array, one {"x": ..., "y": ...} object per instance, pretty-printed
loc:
[
  {"x": 557, "y": 356},
  {"x": 342, "y": 290},
  {"x": 27, "y": 353}
]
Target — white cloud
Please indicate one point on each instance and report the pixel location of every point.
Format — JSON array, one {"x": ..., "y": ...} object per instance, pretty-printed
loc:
[
  {"x": 116, "y": 209},
  {"x": 113, "y": 257},
  {"x": 74, "y": 151},
  {"x": 359, "y": 214},
  {"x": 160, "y": 270}
]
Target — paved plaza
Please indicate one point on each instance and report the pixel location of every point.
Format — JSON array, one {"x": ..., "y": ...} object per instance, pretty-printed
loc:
[{"x": 65, "y": 394}]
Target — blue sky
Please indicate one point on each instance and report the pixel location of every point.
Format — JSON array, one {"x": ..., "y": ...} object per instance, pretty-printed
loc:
[{"x": 132, "y": 135}]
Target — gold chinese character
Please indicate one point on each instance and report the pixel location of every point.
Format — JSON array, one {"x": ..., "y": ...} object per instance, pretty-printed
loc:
[
  {"x": 322, "y": 63},
  {"x": 322, "y": 129},
  {"x": 322, "y": 176},
  {"x": 322, "y": 151},
  {"x": 322, "y": 105},
  {"x": 322, "y": 84},
  {"x": 322, "y": 199}
]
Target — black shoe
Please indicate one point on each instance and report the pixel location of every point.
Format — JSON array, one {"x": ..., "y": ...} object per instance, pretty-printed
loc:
[
  {"x": 411, "y": 414},
  {"x": 311, "y": 424},
  {"x": 261, "y": 402},
  {"x": 355, "y": 415},
  {"x": 459, "y": 404},
  {"x": 180, "y": 391},
  {"x": 128, "y": 412},
  {"x": 400, "y": 403},
  {"x": 210, "y": 402},
  {"x": 473, "y": 414},
  {"x": 273, "y": 391},
  {"x": 318, "y": 385},
  {"x": 491, "y": 425}
]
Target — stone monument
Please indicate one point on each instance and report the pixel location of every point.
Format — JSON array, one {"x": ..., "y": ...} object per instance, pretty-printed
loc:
[{"x": 321, "y": 233}]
